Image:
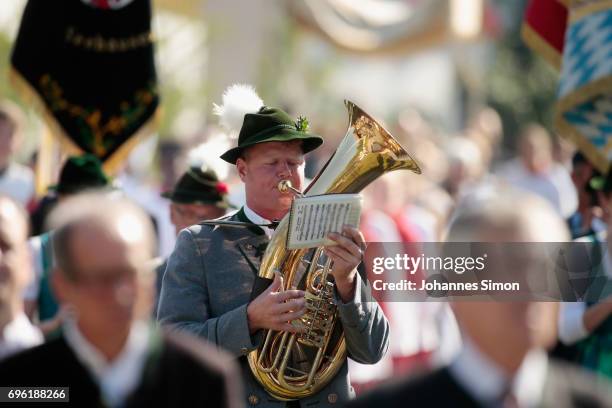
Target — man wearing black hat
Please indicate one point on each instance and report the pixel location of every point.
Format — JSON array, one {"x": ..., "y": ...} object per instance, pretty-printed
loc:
[
  {"x": 207, "y": 285},
  {"x": 79, "y": 173},
  {"x": 197, "y": 196}
]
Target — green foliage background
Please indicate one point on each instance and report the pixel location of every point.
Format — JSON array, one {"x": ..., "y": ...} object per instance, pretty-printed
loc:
[{"x": 521, "y": 86}]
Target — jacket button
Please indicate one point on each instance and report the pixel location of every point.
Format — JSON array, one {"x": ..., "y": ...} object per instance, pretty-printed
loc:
[
  {"x": 332, "y": 398},
  {"x": 249, "y": 247},
  {"x": 253, "y": 399},
  {"x": 244, "y": 350}
]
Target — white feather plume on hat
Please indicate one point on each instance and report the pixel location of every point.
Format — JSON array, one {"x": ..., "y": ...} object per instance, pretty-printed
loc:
[
  {"x": 206, "y": 155},
  {"x": 238, "y": 100},
  {"x": 198, "y": 157}
]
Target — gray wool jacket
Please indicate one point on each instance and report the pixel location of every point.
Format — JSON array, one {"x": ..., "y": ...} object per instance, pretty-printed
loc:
[{"x": 206, "y": 289}]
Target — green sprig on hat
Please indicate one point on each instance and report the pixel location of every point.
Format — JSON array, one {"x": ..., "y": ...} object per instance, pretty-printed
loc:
[
  {"x": 243, "y": 112},
  {"x": 302, "y": 124}
]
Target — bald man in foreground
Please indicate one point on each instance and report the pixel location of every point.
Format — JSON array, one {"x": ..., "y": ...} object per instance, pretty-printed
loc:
[
  {"x": 107, "y": 353},
  {"x": 503, "y": 362}
]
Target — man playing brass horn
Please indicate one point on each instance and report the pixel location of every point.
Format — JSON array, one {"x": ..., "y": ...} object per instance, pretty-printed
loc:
[{"x": 207, "y": 285}]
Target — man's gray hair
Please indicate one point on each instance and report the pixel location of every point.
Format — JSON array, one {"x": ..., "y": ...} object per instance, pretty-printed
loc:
[{"x": 495, "y": 207}]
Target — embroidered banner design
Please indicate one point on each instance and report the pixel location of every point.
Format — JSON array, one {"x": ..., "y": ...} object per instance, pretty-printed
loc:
[
  {"x": 583, "y": 110},
  {"x": 91, "y": 71}
]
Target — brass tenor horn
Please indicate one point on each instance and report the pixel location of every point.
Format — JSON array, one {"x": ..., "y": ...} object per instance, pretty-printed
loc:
[{"x": 292, "y": 366}]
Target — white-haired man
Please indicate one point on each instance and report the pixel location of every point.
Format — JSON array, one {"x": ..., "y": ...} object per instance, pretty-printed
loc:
[
  {"x": 503, "y": 362},
  {"x": 107, "y": 354}
]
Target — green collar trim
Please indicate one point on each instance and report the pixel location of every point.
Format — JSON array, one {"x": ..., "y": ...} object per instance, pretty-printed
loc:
[{"x": 241, "y": 216}]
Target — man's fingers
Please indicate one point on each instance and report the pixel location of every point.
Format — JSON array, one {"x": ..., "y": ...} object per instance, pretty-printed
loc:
[
  {"x": 338, "y": 254},
  {"x": 289, "y": 316},
  {"x": 289, "y": 294},
  {"x": 355, "y": 235},
  {"x": 290, "y": 305},
  {"x": 346, "y": 244},
  {"x": 276, "y": 284}
]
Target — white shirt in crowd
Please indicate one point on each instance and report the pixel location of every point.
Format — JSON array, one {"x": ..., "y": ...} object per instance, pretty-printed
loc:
[
  {"x": 17, "y": 182},
  {"x": 555, "y": 185},
  {"x": 156, "y": 206},
  {"x": 117, "y": 379},
  {"x": 18, "y": 335},
  {"x": 571, "y": 314},
  {"x": 486, "y": 382}
]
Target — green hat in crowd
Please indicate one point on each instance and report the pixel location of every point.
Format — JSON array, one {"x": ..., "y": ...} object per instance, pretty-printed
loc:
[
  {"x": 244, "y": 111},
  {"x": 197, "y": 186},
  {"x": 601, "y": 183},
  {"x": 81, "y": 173}
]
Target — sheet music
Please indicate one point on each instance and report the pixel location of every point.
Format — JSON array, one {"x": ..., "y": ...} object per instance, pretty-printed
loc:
[{"x": 313, "y": 218}]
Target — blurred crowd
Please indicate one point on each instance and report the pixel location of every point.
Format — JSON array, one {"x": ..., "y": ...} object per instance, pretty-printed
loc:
[{"x": 192, "y": 185}]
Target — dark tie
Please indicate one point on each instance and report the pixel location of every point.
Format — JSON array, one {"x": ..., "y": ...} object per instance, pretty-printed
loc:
[{"x": 508, "y": 399}]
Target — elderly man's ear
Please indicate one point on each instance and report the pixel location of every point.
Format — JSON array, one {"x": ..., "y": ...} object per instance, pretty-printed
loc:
[
  {"x": 59, "y": 285},
  {"x": 241, "y": 168}
]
